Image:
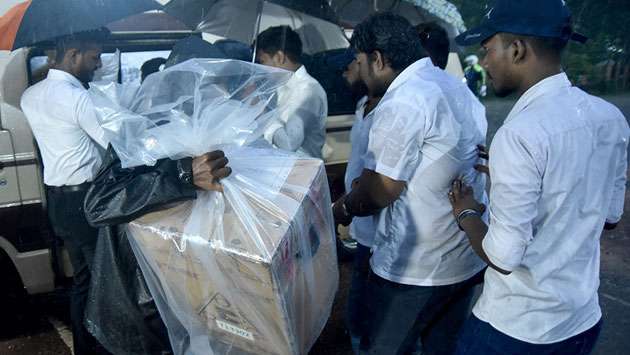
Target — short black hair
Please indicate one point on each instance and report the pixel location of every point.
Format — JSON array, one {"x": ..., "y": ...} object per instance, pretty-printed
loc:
[
  {"x": 80, "y": 40},
  {"x": 390, "y": 34},
  {"x": 435, "y": 40},
  {"x": 151, "y": 66},
  {"x": 280, "y": 38}
]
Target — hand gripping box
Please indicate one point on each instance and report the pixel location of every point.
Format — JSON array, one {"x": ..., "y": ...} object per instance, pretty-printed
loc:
[{"x": 262, "y": 280}]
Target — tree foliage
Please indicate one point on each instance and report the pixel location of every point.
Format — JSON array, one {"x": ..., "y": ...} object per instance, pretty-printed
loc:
[{"x": 603, "y": 63}]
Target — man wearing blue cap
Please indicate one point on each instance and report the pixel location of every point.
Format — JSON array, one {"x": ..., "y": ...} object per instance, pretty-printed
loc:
[{"x": 558, "y": 171}]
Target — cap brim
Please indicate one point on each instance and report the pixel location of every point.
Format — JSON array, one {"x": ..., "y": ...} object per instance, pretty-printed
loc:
[
  {"x": 343, "y": 59},
  {"x": 475, "y": 36}
]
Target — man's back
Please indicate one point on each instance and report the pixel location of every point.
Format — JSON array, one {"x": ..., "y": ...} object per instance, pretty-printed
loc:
[
  {"x": 427, "y": 126},
  {"x": 304, "y": 98},
  {"x": 558, "y": 173},
  {"x": 62, "y": 118}
]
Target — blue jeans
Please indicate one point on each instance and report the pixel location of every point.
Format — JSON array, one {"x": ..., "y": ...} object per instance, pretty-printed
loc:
[
  {"x": 358, "y": 295},
  {"x": 479, "y": 337},
  {"x": 405, "y": 319}
]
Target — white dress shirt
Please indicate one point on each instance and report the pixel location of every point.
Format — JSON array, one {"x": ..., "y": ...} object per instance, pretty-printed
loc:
[
  {"x": 362, "y": 229},
  {"x": 558, "y": 172},
  {"x": 302, "y": 112},
  {"x": 425, "y": 132},
  {"x": 62, "y": 118}
]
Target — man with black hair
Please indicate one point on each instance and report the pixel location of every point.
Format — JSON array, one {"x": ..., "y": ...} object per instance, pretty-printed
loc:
[
  {"x": 362, "y": 229},
  {"x": 435, "y": 41},
  {"x": 151, "y": 66},
  {"x": 424, "y": 134},
  {"x": 71, "y": 143},
  {"x": 558, "y": 171},
  {"x": 302, "y": 102}
]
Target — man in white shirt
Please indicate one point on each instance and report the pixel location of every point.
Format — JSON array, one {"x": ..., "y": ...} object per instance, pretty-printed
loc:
[
  {"x": 302, "y": 102},
  {"x": 558, "y": 172},
  {"x": 424, "y": 134},
  {"x": 72, "y": 143},
  {"x": 362, "y": 229}
]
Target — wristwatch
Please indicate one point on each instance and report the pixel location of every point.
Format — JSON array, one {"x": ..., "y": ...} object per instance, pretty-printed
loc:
[{"x": 184, "y": 170}]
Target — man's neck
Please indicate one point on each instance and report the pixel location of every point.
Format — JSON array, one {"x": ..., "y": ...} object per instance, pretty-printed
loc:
[
  {"x": 537, "y": 75},
  {"x": 65, "y": 69},
  {"x": 293, "y": 66},
  {"x": 371, "y": 103}
]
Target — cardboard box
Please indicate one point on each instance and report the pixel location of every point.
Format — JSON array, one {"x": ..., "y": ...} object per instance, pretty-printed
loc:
[{"x": 262, "y": 285}]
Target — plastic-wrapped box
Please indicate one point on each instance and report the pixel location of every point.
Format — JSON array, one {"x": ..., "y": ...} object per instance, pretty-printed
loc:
[
  {"x": 250, "y": 270},
  {"x": 270, "y": 301}
]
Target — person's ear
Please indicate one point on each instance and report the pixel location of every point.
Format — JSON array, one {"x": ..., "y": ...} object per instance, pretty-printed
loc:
[
  {"x": 72, "y": 56},
  {"x": 378, "y": 60},
  {"x": 280, "y": 57},
  {"x": 518, "y": 51}
]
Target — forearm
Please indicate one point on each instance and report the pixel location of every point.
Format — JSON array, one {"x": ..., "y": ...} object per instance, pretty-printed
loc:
[
  {"x": 362, "y": 204},
  {"x": 291, "y": 136},
  {"x": 373, "y": 193}
]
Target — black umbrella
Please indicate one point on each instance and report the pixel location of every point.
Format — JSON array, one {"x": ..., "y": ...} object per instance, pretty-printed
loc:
[
  {"x": 242, "y": 20},
  {"x": 195, "y": 11},
  {"x": 48, "y": 19}
]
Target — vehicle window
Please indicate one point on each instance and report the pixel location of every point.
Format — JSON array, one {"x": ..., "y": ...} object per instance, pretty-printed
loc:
[{"x": 131, "y": 62}]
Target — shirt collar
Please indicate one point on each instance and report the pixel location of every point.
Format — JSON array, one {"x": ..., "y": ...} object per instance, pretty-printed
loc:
[
  {"x": 409, "y": 71},
  {"x": 56, "y": 74},
  {"x": 541, "y": 88},
  {"x": 301, "y": 72}
]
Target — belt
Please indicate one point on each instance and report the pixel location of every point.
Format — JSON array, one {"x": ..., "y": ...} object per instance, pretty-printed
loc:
[{"x": 70, "y": 188}]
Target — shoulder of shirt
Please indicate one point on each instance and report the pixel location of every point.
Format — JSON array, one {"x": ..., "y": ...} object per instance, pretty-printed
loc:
[
  {"x": 62, "y": 93},
  {"x": 604, "y": 105},
  {"x": 419, "y": 88},
  {"x": 309, "y": 83}
]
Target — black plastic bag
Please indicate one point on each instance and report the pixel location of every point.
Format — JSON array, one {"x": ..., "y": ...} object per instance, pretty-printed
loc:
[{"x": 120, "y": 311}]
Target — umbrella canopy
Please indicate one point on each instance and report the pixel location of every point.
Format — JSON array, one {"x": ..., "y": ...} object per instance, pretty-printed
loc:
[
  {"x": 37, "y": 21},
  {"x": 10, "y": 23},
  {"x": 194, "y": 11},
  {"x": 243, "y": 20},
  {"x": 442, "y": 12}
]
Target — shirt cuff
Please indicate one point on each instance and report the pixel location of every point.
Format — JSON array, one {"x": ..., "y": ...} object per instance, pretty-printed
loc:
[
  {"x": 506, "y": 256},
  {"x": 271, "y": 130}
]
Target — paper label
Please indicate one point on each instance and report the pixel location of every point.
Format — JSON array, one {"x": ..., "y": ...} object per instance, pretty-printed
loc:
[{"x": 235, "y": 330}]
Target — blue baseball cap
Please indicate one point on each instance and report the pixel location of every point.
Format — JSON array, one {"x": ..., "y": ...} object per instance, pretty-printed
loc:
[
  {"x": 539, "y": 18},
  {"x": 342, "y": 59}
]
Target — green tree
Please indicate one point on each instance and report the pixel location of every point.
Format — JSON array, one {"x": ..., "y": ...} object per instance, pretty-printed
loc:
[{"x": 603, "y": 63}]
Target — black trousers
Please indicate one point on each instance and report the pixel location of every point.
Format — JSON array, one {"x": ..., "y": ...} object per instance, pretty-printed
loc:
[{"x": 65, "y": 211}]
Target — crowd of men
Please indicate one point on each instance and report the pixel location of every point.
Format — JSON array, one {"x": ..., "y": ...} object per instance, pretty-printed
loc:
[{"x": 415, "y": 200}]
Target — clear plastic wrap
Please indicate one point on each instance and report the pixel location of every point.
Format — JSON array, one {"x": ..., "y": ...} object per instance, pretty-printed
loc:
[{"x": 252, "y": 269}]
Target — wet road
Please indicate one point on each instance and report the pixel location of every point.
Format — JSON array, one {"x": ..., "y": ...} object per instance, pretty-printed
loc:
[{"x": 40, "y": 324}]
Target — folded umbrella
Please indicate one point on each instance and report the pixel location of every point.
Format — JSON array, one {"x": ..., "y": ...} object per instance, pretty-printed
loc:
[{"x": 36, "y": 21}]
